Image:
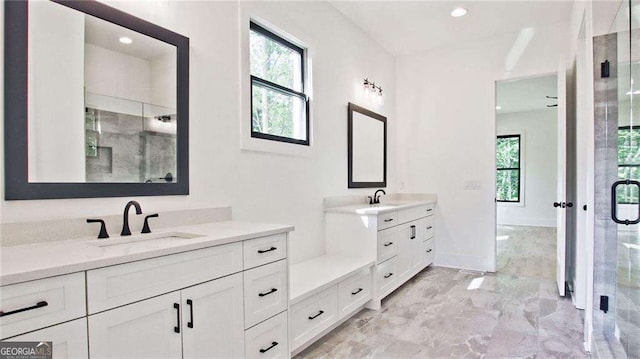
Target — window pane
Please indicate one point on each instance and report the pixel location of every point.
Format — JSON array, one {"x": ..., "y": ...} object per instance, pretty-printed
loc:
[
  {"x": 275, "y": 62},
  {"x": 508, "y": 152},
  {"x": 628, "y": 194},
  {"x": 278, "y": 114},
  {"x": 508, "y": 184},
  {"x": 629, "y": 146}
]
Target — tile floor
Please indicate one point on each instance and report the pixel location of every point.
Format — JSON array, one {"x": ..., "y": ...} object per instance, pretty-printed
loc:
[{"x": 443, "y": 312}]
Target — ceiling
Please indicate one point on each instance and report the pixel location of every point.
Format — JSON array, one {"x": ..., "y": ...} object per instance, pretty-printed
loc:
[
  {"x": 105, "y": 34},
  {"x": 412, "y": 27},
  {"x": 526, "y": 94}
]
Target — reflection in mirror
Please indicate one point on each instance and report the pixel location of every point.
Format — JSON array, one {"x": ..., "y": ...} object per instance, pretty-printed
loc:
[
  {"x": 101, "y": 100},
  {"x": 367, "y": 148}
]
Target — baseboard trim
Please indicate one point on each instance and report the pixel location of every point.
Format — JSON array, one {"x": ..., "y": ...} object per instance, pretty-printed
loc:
[{"x": 530, "y": 222}]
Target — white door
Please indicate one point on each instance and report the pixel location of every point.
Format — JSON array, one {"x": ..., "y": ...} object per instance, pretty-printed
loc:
[
  {"x": 212, "y": 319},
  {"x": 147, "y": 329},
  {"x": 417, "y": 250},
  {"x": 407, "y": 234},
  {"x": 69, "y": 340},
  {"x": 561, "y": 213}
]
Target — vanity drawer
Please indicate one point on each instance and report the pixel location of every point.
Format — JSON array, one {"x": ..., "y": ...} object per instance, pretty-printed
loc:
[
  {"x": 265, "y": 292},
  {"x": 428, "y": 251},
  {"x": 386, "y": 220},
  {"x": 69, "y": 340},
  {"x": 264, "y": 250},
  {"x": 122, "y": 284},
  {"x": 387, "y": 276},
  {"x": 40, "y": 303},
  {"x": 268, "y": 339},
  {"x": 313, "y": 315},
  {"x": 429, "y": 230},
  {"x": 354, "y": 292},
  {"x": 411, "y": 214},
  {"x": 387, "y": 244}
]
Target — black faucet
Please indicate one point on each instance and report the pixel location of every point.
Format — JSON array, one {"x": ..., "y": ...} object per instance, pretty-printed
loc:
[
  {"x": 376, "y": 197},
  {"x": 125, "y": 222}
]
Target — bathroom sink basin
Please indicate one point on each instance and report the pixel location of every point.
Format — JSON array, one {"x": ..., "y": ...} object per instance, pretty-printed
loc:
[{"x": 144, "y": 241}]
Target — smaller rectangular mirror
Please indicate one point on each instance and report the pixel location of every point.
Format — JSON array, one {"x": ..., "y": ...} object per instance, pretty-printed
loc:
[{"x": 367, "y": 148}]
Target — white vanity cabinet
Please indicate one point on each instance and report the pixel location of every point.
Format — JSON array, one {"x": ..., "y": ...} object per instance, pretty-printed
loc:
[
  {"x": 212, "y": 302},
  {"x": 203, "y": 321},
  {"x": 399, "y": 240}
]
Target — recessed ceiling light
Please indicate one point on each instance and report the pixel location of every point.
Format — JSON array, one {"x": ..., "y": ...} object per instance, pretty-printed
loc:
[
  {"x": 498, "y": 107},
  {"x": 458, "y": 12},
  {"x": 125, "y": 40}
]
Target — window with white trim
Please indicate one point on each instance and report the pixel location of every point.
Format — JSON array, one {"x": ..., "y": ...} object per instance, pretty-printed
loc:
[{"x": 279, "y": 105}]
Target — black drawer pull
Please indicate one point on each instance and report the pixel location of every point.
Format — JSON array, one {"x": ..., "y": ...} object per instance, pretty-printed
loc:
[
  {"x": 388, "y": 244},
  {"x": 38, "y": 305},
  {"x": 429, "y": 227},
  {"x": 413, "y": 232},
  {"x": 317, "y": 315},
  {"x": 176, "y": 306},
  {"x": 190, "y": 304},
  {"x": 357, "y": 291},
  {"x": 429, "y": 250},
  {"x": 267, "y": 250},
  {"x": 388, "y": 275},
  {"x": 273, "y": 290},
  {"x": 273, "y": 344},
  {"x": 388, "y": 220},
  {"x": 429, "y": 209}
]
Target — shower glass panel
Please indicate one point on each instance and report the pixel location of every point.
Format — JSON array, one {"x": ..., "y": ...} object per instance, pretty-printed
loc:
[
  {"x": 617, "y": 302},
  {"x": 627, "y": 313}
]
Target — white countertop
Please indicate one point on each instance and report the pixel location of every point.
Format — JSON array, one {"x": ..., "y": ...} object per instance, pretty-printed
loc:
[
  {"x": 317, "y": 274},
  {"x": 384, "y": 207},
  {"x": 36, "y": 261}
]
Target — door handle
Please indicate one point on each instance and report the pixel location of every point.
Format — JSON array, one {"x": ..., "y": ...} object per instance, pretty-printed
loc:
[
  {"x": 176, "y": 306},
  {"x": 556, "y": 204},
  {"x": 190, "y": 304},
  {"x": 569, "y": 204},
  {"x": 614, "y": 202},
  {"x": 413, "y": 232}
]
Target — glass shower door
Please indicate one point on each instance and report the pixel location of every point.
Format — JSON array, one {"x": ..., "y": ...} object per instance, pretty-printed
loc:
[{"x": 627, "y": 315}]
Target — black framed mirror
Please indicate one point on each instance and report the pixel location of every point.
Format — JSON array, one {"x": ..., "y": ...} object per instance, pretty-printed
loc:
[
  {"x": 367, "y": 148},
  {"x": 96, "y": 103}
]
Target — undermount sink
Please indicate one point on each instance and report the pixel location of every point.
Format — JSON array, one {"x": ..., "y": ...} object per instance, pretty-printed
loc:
[{"x": 144, "y": 240}]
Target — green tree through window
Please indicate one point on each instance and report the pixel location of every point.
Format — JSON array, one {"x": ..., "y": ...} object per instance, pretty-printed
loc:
[
  {"x": 628, "y": 162},
  {"x": 508, "y": 168},
  {"x": 278, "y": 103}
]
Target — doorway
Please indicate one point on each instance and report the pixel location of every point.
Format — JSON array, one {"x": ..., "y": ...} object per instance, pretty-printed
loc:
[{"x": 527, "y": 155}]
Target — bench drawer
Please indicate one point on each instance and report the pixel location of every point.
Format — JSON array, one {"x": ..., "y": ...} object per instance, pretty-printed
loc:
[
  {"x": 313, "y": 315},
  {"x": 354, "y": 292}
]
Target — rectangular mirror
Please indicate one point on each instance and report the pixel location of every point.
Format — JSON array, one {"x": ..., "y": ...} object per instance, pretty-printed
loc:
[
  {"x": 367, "y": 148},
  {"x": 96, "y": 103}
]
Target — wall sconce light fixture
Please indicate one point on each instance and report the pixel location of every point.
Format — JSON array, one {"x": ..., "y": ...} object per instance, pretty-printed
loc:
[{"x": 371, "y": 87}]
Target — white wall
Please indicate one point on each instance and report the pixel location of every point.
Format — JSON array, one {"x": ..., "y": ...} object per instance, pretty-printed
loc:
[
  {"x": 115, "y": 74},
  {"x": 446, "y": 123},
  {"x": 56, "y": 135},
  {"x": 261, "y": 186},
  {"x": 539, "y": 172}
]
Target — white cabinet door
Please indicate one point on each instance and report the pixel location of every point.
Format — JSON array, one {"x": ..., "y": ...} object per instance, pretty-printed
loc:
[
  {"x": 417, "y": 256},
  {"x": 212, "y": 319},
  {"x": 147, "y": 329},
  {"x": 69, "y": 339},
  {"x": 406, "y": 237}
]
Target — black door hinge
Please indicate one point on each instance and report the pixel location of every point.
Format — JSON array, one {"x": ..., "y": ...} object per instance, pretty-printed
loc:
[
  {"x": 604, "y": 69},
  {"x": 604, "y": 303}
]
